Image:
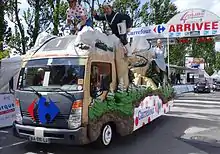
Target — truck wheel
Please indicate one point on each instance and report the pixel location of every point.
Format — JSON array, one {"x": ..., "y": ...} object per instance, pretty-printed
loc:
[{"x": 105, "y": 137}]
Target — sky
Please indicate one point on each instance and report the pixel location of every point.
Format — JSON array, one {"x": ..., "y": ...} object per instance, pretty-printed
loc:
[{"x": 211, "y": 5}]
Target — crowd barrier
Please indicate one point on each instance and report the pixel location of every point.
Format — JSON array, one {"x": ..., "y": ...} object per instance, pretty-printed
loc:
[{"x": 179, "y": 89}]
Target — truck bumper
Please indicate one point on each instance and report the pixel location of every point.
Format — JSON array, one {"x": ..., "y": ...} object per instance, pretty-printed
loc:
[{"x": 60, "y": 136}]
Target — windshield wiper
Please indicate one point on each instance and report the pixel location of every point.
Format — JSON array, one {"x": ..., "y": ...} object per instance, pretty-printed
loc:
[
  {"x": 67, "y": 93},
  {"x": 35, "y": 91}
]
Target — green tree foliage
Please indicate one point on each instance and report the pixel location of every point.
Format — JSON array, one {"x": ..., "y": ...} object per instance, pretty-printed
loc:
[
  {"x": 130, "y": 7},
  {"x": 13, "y": 14},
  {"x": 177, "y": 54},
  {"x": 217, "y": 62},
  {"x": 16, "y": 41},
  {"x": 158, "y": 11},
  {"x": 56, "y": 13},
  {"x": 2, "y": 23},
  {"x": 204, "y": 50}
]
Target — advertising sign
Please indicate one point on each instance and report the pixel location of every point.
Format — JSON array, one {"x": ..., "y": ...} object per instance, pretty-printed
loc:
[
  {"x": 154, "y": 31},
  {"x": 194, "y": 29},
  {"x": 189, "y": 23},
  {"x": 7, "y": 110},
  {"x": 197, "y": 63},
  {"x": 194, "y": 23},
  {"x": 195, "y": 15}
]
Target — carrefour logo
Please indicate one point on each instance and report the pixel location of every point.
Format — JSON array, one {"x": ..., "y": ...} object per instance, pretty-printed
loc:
[
  {"x": 47, "y": 111},
  {"x": 159, "y": 29}
]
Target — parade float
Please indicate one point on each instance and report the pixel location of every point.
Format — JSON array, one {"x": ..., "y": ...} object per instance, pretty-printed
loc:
[{"x": 88, "y": 90}]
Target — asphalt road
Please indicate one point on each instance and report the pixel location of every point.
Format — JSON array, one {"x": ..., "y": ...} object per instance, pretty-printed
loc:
[{"x": 162, "y": 136}]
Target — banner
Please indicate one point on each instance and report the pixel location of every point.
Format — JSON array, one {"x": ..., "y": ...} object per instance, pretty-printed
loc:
[
  {"x": 189, "y": 23},
  {"x": 194, "y": 29},
  {"x": 150, "y": 32},
  {"x": 7, "y": 110}
]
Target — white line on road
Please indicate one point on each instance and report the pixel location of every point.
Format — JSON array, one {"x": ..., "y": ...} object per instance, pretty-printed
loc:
[
  {"x": 36, "y": 153},
  {"x": 3, "y": 131},
  {"x": 11, "y": 145},
  {"x": 196, "y": 105},
  {"x": 196, "y": 101}
]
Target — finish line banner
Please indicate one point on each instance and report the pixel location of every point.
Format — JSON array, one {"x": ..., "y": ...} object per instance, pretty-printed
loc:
[{"x": 196, "y": 29}]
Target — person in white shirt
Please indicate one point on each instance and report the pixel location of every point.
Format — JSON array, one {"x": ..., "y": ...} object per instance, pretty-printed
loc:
[
  {"x": 78, "y": 11},
  {"x": 159, "y": 55}
]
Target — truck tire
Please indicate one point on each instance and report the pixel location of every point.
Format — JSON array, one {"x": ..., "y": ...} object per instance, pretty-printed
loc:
[{"x": 105, "y": 137}]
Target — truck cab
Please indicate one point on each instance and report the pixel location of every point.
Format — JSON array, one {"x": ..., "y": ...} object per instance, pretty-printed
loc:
[{"x": 55, "y": 90}]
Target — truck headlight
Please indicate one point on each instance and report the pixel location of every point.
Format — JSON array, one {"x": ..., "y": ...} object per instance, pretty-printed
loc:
[
  {"x": 75, "y": 118},
  {"x": 18, "y": 116},
  {"x": 206, "y": 86}
]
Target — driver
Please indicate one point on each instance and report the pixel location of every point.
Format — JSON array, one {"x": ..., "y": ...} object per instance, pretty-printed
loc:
[{"x": 77, "y": 11}]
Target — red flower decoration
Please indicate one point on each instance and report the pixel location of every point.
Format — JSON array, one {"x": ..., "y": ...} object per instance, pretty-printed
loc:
[
  {"x": 136, "y": 121},
  {"x": 149, "y": 120}
]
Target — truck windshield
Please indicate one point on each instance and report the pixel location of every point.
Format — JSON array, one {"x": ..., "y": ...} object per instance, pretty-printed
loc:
[{"x": 52, "y": 74}]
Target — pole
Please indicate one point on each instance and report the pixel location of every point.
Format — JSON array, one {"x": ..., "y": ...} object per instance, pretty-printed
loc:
[
  {"x": 168, "y": 55},
  {"x": 92, "y": 9}
]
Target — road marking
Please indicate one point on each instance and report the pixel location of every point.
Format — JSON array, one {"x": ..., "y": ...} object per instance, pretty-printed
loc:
[
  {"x": 3, "y": 131},
  {"x": 196, "y": 101},
  {"x": 36, "y": 153},
  {"x": 14, "y": 144},
  {"x": 205, "y": 105}
]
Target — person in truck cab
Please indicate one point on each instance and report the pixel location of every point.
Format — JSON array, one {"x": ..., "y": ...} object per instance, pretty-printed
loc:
[
  {"x": 77, "y": 11},
  {"x": 114, "y": 18},
  {"x": 38, "y": 78}
]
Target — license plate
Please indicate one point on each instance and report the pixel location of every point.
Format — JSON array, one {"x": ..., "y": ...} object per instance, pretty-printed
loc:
[{"x": 39, "y": 139}]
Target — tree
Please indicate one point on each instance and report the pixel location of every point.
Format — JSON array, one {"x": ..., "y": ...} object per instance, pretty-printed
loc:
[
  {"x": 204, "y": 49},
  {"x": 130, "y": 7},
  {"x": 33, "y": 18},
  {"x": 217, "y": 62},
  {"x": 5, "y": 31},
  {"x": 2, "y": 23},
  {"x": 177, "y": 54},
  {"x": 56, "y": 13},
  {"x": 13, "y": 13},
  {"x": 158, "y": 11},
  {"x": 16, "y": 41}
]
